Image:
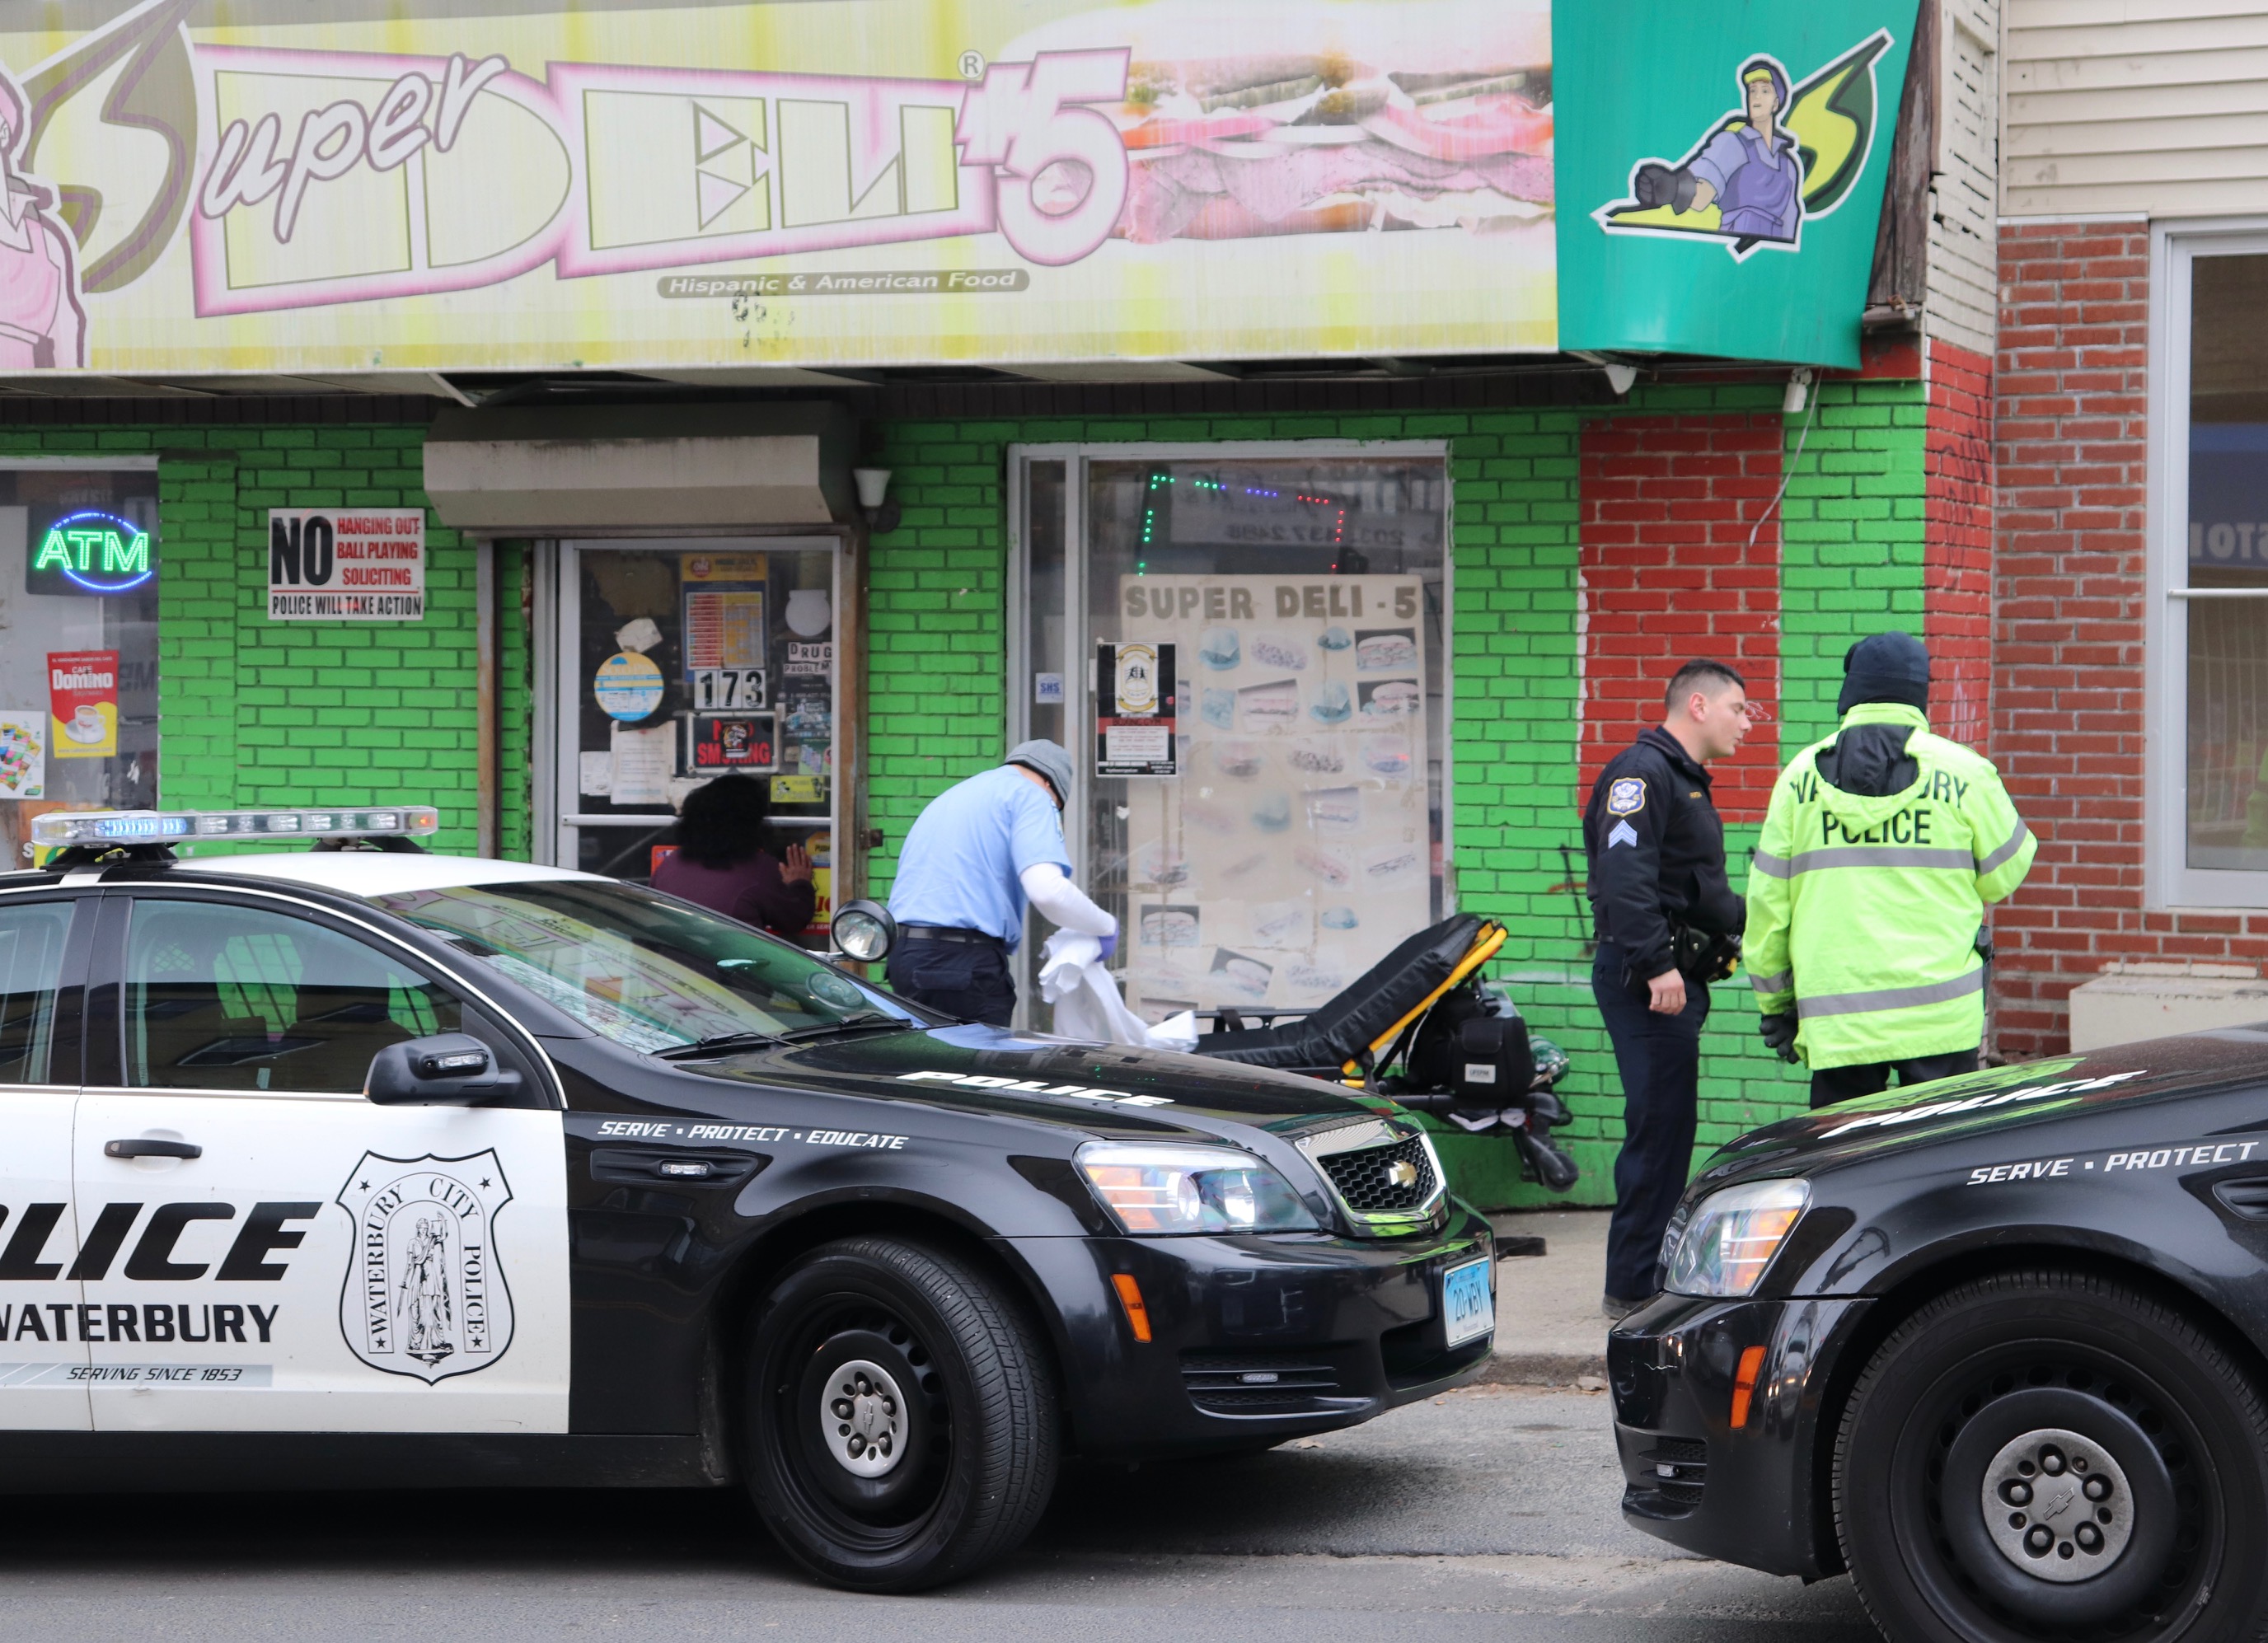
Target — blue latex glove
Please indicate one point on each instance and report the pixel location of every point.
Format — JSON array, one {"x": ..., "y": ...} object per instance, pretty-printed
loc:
[{"x": 1110, "y": 945}]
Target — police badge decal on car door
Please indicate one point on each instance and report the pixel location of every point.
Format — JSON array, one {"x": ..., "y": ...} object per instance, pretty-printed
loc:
[{"x": 424, "y": 1294}]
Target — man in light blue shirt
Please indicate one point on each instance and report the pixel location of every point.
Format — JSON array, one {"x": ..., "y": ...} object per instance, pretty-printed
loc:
[{"x": 978, "y": 854}]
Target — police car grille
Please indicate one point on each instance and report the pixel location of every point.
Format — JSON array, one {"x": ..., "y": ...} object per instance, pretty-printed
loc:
[
  {"x": 1277, "y": 1383},
  {"x": 1365, "y": 1185}
]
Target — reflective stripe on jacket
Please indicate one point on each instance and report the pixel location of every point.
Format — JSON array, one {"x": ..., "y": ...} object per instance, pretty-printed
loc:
[{"x": 1863, "y": 911}]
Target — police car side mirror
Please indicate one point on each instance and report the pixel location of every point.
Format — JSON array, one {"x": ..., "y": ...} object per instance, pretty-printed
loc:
[
  {"x": 446, "y": 1070},
  {"x": 864, "y": 932}
]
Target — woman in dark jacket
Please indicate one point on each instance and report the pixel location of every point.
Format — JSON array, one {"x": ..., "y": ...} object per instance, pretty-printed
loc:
[{"x": 722, "y": 864}]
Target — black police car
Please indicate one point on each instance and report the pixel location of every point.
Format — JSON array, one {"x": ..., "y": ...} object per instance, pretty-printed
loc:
[
  {"x": 1997, "y": 1345},
  {"x": 350, "y": 1168}
]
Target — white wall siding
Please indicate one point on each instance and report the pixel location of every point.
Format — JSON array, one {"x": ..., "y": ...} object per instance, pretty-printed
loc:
[
  {"x": 2157, "y": 106},
  {"x": 1964, "y": 242}
]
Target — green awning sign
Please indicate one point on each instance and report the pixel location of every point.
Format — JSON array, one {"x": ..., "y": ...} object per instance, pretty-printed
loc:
[{"x": 1721, "y": 190}]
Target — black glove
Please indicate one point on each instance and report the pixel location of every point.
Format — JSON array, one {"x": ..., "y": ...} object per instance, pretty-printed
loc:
[
  {"x": 1778, "y": 1034},
  {"x": 1655, "y": 185},
  {"x": 1682, "y": 198}
]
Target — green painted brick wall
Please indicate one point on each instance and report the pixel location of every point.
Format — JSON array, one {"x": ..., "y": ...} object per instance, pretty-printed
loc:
[
  {"x": 1852, "y": 558},
  {"x": 258, "y": 713},
  {"x": 280, "y": 713}
]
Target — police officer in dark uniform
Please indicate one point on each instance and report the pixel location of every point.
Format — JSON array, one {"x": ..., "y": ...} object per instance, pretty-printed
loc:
[{"x": 1667, "y": 921}]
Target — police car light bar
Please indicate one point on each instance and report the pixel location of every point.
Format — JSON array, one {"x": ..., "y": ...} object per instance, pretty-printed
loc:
[{"x": 58, "y": 829}]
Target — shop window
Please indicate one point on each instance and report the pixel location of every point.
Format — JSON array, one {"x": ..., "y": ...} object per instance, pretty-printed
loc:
[
  {"x": 2216, "y": 674},
  {"x": 80, "y": 557},
  {"x": 1247, "y": 656}
]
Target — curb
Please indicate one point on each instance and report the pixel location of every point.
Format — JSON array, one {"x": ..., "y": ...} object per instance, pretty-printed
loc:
[{"x": 1541, "y": 1369}]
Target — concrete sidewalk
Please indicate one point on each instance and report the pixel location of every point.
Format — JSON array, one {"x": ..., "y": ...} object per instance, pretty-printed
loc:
[{"x": 1548, "y": 1328}]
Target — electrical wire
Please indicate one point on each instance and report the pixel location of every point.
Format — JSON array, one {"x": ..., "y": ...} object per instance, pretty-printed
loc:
[{"x": 1787, "y": 473}]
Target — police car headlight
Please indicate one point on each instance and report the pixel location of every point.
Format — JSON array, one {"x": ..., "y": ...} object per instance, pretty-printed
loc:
[
  {"x": 1730, "y": 1237},
  {"x": 1190, "y": 1190}
]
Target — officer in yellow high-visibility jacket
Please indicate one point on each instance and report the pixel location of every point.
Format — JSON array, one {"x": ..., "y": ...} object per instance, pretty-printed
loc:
[{"x": 1882, "y": 848}]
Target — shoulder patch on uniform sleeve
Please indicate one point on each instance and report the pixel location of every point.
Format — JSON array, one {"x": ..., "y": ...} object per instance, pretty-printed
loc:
[{"x": 1626, "y": 796}]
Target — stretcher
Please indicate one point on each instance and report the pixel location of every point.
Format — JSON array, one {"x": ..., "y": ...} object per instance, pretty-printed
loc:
[{"x": 1419, "y": 1027}]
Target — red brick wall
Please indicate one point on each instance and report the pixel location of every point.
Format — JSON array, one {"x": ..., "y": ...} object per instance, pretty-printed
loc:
[
  {"x": 2070, "y": 407},
  {"x": 1668, "y": 576},
  {"x": 1957, "y": 506}
]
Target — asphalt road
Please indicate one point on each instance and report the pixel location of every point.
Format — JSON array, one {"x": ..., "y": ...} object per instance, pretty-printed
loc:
[{"x": 1488, "y": 1513}]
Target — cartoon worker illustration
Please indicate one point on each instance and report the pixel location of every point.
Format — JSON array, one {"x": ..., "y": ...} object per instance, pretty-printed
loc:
[
  {"x": 41, "y": 324},
  {"x": 1786, "y": 156},
  {"x": 1749, "y": 170}
]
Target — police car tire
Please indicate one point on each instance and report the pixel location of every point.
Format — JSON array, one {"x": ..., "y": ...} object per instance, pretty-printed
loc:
[
  {"x": 986, "y": 1413},
  {"x": 1986, "y": 1363}
]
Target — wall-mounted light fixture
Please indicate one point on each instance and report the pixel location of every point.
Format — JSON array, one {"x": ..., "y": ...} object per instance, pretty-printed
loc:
[
  {"x": 874, "y": 488},
  {"x": 1620, "y": 377},
  {"x": 1799, "y": 391}
]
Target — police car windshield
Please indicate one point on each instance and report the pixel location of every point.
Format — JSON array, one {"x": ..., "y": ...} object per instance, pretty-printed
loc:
[{"x": 648, "y": 972}]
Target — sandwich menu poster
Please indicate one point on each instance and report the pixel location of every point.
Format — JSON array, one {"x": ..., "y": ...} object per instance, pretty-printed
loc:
[
  {"x": 1294, "y": 850},
  {"x": 374, "y": 186}
]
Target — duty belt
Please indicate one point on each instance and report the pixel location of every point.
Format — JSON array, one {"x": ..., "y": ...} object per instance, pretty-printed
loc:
[{"x": 950, "y": 932}]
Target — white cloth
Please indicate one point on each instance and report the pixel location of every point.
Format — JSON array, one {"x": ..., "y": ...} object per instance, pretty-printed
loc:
[
  {"x": 1062, "y": 902},
  {"x": 1087, "y": 1003}
]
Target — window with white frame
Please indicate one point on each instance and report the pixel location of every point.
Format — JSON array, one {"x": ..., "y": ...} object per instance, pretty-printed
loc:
[{"x": 2210, "y": 666}]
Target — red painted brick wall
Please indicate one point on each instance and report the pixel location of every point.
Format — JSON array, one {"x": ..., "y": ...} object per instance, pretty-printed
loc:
[
  {"x": 1957, "y": 504},
  {"x": 1668, "y": 575},
  {"x": 2068, "y": 714}
]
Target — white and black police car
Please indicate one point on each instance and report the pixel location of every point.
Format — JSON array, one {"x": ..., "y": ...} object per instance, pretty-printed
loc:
[{"x": 354, "y": 1166}]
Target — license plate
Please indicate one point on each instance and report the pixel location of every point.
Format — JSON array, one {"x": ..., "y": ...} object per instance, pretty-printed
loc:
[{"x": 1468, "y": 1308}]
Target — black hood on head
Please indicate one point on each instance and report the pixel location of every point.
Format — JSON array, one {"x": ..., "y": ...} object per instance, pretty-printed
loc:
[
  {"x": 1870, "y": 761},
  {"x": 1888, "y": 667}
]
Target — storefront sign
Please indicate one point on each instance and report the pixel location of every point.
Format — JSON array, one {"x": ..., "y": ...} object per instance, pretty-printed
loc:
[
  {"x": 869, "y": 181},
  {"x": 324, "y": 565},
  {"x": 22, "y": 753},
  {"x": 1134, "y": 732},
  {"x": 90, "y": 551},
  {"x": 628, "y": 687},
  {"x": 1296, "y": 847},
  {"x": 82, "y": 704},
  {"x": 642, "y": 763},
  {"x": 720, "y": 742},
  {"x": 1722, "y": 170}
]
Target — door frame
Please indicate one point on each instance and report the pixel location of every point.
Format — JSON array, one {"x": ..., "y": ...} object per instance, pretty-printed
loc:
[
  {"x": 1080, "y": 687},
  {"x": 557, "y": 614}
]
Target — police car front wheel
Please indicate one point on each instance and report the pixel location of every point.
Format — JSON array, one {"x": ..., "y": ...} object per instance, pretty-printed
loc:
[
  {"x": 2055, "y": 1455},
  {"x": 902, "y": 1425}
]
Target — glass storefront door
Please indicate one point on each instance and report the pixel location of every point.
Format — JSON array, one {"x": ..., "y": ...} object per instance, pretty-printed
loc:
[
  {"x": 1245, "y": 650},
  {"x": 684, "y": 659}
]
